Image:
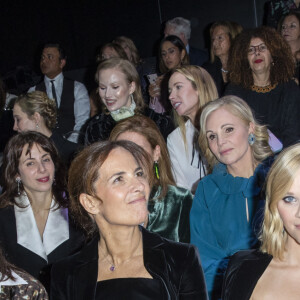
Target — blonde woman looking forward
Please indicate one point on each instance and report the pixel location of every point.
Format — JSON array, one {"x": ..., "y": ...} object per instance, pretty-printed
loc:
[
  {"x": 273, "y": 272},
  {"x": 227, "y": 207},
  {"x": 190, "y": 88}
]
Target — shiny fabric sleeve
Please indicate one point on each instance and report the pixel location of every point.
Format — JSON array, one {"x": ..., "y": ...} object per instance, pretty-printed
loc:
[
  {"x": 192, "y": 281},
  {"x": 203, "y": 236}
]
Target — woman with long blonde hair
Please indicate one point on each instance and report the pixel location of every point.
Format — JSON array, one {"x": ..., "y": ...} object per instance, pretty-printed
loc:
[{"x": 190, "y": 88}]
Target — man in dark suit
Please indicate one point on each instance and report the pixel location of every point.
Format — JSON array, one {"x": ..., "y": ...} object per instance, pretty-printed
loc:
[{"x": 182, "y": 28}]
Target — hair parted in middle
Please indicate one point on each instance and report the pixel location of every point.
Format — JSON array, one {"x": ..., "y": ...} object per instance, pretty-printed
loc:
[
  {"x": 232, "y": 29},
  {"x": 131, "y": 75},
  {"x": 282, "y": 68},
  {"x": 279, "y": 180},
  {"x": 176, "y": 41},
  {"x": 12, "y": 153},
  {"x": 39, "y": 102},
  {"x": 239, "y": 108},
  {"x": 149, "y": 130},
  {"x": 85, "y": 171}
]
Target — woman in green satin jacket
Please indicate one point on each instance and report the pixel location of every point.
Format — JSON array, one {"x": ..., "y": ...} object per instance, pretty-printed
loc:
[{"x": 169, "y": 206}]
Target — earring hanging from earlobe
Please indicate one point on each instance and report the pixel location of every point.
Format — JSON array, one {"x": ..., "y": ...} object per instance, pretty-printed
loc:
[
  {"x": 18, "y": 181},
  {"x": 156, "y": 169},
  {"x": 37, "y": 126},
  {"x": 251, "y": 139}
]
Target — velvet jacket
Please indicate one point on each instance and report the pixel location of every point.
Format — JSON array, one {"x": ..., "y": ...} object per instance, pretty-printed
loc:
[
  {"x": 244, "y": 270},
  {"x": 170, "y": 216},
  {"x": 25, "y": 251},
  {"x": 99, "y": 127},
  {"x": 176, "y": 265}
]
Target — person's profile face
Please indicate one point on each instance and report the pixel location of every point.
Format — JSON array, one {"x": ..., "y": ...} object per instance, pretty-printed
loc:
[
  {"x": 51, "y": 65},
  {"x": 21, "y": 120}
]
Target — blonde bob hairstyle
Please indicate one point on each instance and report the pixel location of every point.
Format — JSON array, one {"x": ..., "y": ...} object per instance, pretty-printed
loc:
[
  {"x": 279, "y": 180},
  {"x": 239, "y": 108},
  {"x": 130, "y": 73},
  {"x": 39, "y": 102},
  {"x": 149, "y": 130},
  {"x": 203, "y": 84}
]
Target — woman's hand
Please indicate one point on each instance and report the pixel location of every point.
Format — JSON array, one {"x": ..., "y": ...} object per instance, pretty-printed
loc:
[{"x": 154, "y": 88}]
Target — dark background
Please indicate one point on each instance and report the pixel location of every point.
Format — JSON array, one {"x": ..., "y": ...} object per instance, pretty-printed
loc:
[{"x": 81, "y": 26}]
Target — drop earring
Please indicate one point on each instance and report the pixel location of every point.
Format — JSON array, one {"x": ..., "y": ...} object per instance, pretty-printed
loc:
[
  {"x": 18, "y": 181},
  {"x": 156, "y": 169}
]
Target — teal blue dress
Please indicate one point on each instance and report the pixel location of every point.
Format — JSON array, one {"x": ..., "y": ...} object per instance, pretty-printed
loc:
[
  {"x": 169, "y": 216},
  {"x": 226, "y": 217}
]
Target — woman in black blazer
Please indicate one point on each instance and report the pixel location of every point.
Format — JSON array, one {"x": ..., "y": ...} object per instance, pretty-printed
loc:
[
  {"x": 109, "y": 190},
  {"x": 274, "y": 271},
  {"x": 35, "y": 227}
]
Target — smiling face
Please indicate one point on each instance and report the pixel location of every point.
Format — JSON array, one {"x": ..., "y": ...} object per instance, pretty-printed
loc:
[
  {"x": 51, "y": 65},
  {"x": 171, "y": 55},
  {"x": 289, "y": 211},
  {"x": 21, "y": 120},
  {"x": 259, "y": 60},
  {"x": 290, "y": 29},
  {"x": 227, "y": 137},
  {"x": 220, "y": 41},
  {"x": 114, "y": 89},
  {"x": 123, "y": 189},
  {"x": 183, "y": 97},
  {"x": 36, "y": 170}
]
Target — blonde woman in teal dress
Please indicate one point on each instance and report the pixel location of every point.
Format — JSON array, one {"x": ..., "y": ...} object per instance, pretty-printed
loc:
[{"x": 169, "y": 206}]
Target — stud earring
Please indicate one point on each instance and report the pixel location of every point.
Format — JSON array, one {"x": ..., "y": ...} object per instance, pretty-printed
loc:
[
  {"x": 18, "y": 181},
  {"x": 251, "y": 139}
]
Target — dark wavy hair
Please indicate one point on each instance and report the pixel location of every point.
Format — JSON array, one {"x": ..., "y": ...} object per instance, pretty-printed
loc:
[
  {"x": 11, "y": 157},
  {"x": 238, "y": 64},
  {"x": 176, "y": 41},
  {"x": 84, "y": 172}
]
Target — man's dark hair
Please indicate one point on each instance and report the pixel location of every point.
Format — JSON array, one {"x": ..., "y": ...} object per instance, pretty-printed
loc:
[{"x": 62, "y": 52}]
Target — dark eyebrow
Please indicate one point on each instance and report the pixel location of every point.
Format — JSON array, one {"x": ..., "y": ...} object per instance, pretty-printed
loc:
[{"x": 122, "y": 173}]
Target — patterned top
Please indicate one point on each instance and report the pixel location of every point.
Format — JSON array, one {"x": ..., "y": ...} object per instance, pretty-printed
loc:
[
  {"x": 25, "y": 288},
  {"x": 278, "y": 8}
]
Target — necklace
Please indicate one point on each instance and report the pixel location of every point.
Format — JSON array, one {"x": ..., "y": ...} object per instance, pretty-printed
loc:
[
  {"x": 112, "y": 267},
  {"x": 263, "y": 89},
  {"x": 224, "y": 71}
]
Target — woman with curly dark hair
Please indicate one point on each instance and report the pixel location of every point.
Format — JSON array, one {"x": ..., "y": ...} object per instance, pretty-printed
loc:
[
  {"x": 261, "y": 69},
  {"x": 36, "y": 229}
]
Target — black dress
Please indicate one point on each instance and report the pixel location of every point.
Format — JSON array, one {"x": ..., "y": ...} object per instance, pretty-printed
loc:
[
  {"x": 100, "y": 126},
  {"x": 279, "y": 109},
  {"x": 214, "y": 69},
  {"x": 130, "y": 289}
]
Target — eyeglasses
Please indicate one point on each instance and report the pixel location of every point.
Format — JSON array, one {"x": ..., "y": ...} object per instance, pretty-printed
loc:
[{"x": 260, "y": 48}]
